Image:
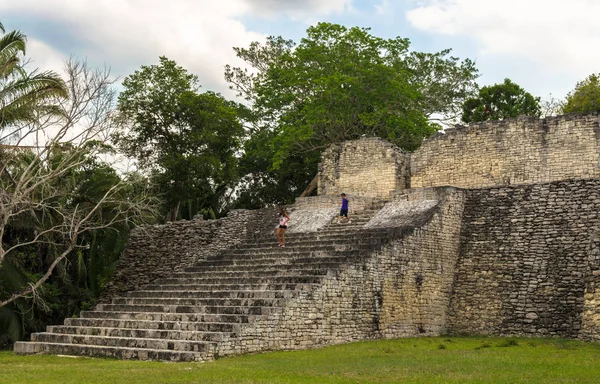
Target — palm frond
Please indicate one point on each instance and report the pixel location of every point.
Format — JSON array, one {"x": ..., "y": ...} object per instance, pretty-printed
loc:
[
  {"x": 20, "y": 99},
  {"x": 12, "y": 67},
  {"x": 11, "y": 45}
]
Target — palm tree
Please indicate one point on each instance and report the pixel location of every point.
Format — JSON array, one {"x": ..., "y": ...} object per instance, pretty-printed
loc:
[{"x": 22, "y": 94}]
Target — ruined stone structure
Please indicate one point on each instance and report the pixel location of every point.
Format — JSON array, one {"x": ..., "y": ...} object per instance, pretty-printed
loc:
[
  {"x": 491, "y": 229},
  {"x": 510, "y": 152},
  {"x": 367, "y": 167}
]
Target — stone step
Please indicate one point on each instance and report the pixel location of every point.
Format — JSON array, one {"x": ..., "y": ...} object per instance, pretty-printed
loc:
[
  {"x": 344, "y": 229},
  {"x": 273, "y": 260},
  {"x": 164, "y": 316},
  {"x": 290, "y": 255},
  {"x": 292, "y": 248},
  {"x": 194, "y": 302},
  {"x": 243, "y": 280},
  {"x": 202, "y": 273},
  {"x": 273, "y": 248},
  {"x": 177, "y": 293},
  {"x": 331, "y": 231},
  {"x": 355, "y": 225},
  {"x": 127, "y": 342},
  {"x": 308, "y": 244},
  {"x": 191, "y": 326},
  {"x": 198, "y": 291},
  {"x": 284, "y": 269},
  {"x": 140, "y": 333},
  {"x": 114, "y": 352},
  {"x": 358, "y": 215},
  {"x": 335, "y": 231},
  {"x": 314, "y": 239},
  {"x": 207, "y": 309}
]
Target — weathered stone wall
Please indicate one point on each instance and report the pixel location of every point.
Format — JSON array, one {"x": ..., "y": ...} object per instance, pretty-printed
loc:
[
  {"x": 365, "y": 167},
  {"x": 419, "y": 272},
  {"x": 590, "y": 322},
  {"x": 508, "y": 152},
  {"x": 401, "y": 289},
  {"x": 156, "y": 251},
  {"x": 527, "y": 254}
]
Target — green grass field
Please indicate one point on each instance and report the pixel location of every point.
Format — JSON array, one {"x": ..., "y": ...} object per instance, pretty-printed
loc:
[{"x": 423, "y": 360}]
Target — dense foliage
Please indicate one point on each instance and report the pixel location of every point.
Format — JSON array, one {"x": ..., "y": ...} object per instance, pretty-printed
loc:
[
  {"x": 585, "y": 98},
  {"x": 187, "y": 141},
  {"x": 37, "y": 238},
  {"x": 500, "y": 101}
]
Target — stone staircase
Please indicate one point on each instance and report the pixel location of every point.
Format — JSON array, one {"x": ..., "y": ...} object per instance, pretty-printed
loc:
[{"x": 191, "y": 314}]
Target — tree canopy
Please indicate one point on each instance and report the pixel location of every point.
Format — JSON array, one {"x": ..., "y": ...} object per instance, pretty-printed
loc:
[
  {"x": 186, "y": 141},
  {"x": 585, "y": 98},
  {"x": 340, "y": 84},
  {"x": 500, "y": 101}
]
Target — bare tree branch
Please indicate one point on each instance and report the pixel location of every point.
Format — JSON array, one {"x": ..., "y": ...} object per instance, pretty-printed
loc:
[{"x": 37, "y": 160}]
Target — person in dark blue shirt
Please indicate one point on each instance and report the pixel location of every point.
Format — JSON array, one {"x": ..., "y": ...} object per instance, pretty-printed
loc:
[{"x": 344, "y": 210}]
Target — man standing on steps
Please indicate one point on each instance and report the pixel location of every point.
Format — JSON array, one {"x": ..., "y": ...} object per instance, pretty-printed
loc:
[{"x": 344, "y": 210}]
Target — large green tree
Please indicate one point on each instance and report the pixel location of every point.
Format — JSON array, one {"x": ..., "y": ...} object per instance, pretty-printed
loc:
[
  {"x": 444, "y": 81},
  {"x": 500, "y": 101},
  {"x": 187, "y": 141},
  {"x": 337, "y": 84},
  {"x": 24, "y": 95},
  {"x": 585, "y": 98}
]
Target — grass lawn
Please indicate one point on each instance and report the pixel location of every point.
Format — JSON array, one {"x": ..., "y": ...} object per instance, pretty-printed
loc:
[{"x": 423, "y": 360}]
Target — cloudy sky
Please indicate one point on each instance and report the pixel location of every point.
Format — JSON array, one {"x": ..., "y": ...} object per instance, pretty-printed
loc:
[{"x": 546, "y": 46}]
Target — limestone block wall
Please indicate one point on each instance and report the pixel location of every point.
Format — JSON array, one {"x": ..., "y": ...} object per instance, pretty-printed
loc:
[
  {"x": 401, "y": 289},
  {"x": 590, "y": 322},
  {"x": 508, "y": 152},
  {"x": 156, "y": 251},
  {"x": 527, "y": 255},
  {"x": 419, "y": 272},
  {"x": 365, "y": 167},
  {"x": 340, "y": 311}
]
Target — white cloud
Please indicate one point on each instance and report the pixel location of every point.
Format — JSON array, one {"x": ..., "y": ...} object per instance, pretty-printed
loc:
[
  {"x": 125, "y": 34},
  {"x": 383, "y": 7},
  {"x": 560, "y": 36},
  {"x": 128, "y": 33},
  {"x": 44, "y": 57},
  {"x": 298, "y": 9}
]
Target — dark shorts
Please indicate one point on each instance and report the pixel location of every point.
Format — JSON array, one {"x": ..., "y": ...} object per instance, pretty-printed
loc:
[
  {"x": 344, "y": 212},
  {"x": 283, "y": 226}
]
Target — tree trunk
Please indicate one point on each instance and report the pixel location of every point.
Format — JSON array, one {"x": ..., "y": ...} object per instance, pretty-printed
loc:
[
  {"x": 311, "y": 187},
  {"x": 174, "y": 212}
]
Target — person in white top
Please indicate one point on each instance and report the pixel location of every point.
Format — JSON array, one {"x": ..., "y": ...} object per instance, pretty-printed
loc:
[{"x": 284, "y": 219}]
